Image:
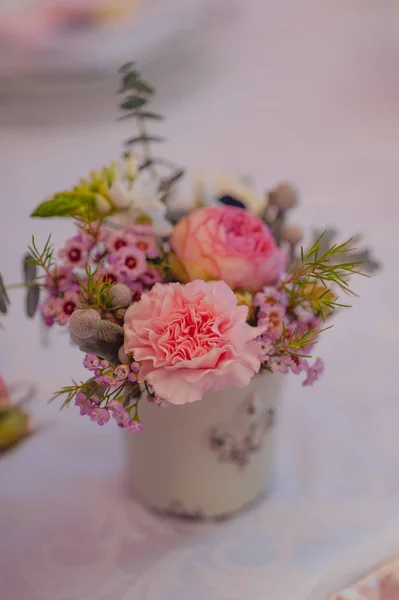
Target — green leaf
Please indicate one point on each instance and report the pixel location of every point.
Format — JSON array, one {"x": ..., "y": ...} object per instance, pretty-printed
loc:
[
  {"x": 133, "y": 102},
  {"x": 151, "y": 115},
  {"x": 144, "y": 138},
  {"x": 65, "y": 204}
]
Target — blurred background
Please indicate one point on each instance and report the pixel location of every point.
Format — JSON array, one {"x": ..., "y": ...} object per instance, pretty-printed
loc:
[
  {"x": 299, "y": 90},
  {"x": 274, "y": 89}
]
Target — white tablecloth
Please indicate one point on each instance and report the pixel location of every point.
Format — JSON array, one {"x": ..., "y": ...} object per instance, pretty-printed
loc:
[{"x": 306, "y": 91}]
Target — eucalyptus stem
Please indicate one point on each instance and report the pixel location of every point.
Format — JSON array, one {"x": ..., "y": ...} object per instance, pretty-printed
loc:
[
  {"x": 136, "y": 95},
  {"x": 27, "y": 285},
  {"x": 147, "y": 153}
]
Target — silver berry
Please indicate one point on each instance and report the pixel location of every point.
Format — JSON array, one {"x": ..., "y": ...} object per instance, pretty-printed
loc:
[
  {"x": 121, "y": 295},
  {"x": 284, "y": 196},
  {"x": 292, "y": 234},
  {"x": 83, "y": 325}
]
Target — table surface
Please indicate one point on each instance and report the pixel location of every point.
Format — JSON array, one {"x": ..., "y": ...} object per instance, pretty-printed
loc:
[{"x": 306, "y": 91}]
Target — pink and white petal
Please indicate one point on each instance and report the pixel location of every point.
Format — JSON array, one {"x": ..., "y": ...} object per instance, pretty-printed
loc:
[{"x": 170, "y": 386}]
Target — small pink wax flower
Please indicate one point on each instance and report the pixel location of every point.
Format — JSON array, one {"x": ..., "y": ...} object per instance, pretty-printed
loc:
[
  {"x": 50, "y": 307},
  {"x": 99, "y": 415},
  {"x": 228, "y": 243},
  {"x": 313, "y": 372},
  {"x": 59, "y": 279},
  {"x": 91, "y": 362},
  {"x": 121, "y": 372},
  {"x": 106, "y": 381},
  {"x": 66, "y": 306},
  {"x": 134, "y": 427},
  {"x": 190, "y": 339},
  {"x": 74, "y": 253},
  {"x": 129, "y": 261}
]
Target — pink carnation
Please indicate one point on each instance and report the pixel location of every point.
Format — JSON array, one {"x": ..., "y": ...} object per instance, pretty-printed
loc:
[
  {"x": 190, "y": 339},
  {"x": 225, "y": 242}
]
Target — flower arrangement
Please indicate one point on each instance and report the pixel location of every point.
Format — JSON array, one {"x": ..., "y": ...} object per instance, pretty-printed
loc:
[{"x": 167, "y": 307}]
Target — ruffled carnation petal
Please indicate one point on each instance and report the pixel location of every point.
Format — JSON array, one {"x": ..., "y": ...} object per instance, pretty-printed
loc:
[{"x": 190, "y": 339}]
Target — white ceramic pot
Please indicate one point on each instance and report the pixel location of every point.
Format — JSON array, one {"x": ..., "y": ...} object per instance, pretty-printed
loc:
[{"x": 209, "y": 458}]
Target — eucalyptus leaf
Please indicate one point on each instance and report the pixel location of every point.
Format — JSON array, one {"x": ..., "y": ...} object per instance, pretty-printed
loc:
[
  {"x": 131, "y": 395},
  {"x": 4, "y": 300},
  {"x": 166, "y": 184},
  {"x": 126, "y": 67},
  {"x": 129, "y": 115},
  {"x": 143, "y": 138},
  {"x": 29, "y": 268},
  {"x": 146, "y": 164},
  {"x": 32, "y": 300},
  {"x": 128, "y": 82},
  {"x": 65, "y": 204},
  {"x": 3, "y": 305},
  {"x": 151, "y": 115},
  {"x": 133, "y": 102},
  {"x": 175, "y": 215},
  {"x": 104, "y": 350},
  {"x": 143, "y": 87},
  {"x": 368, "y": 263}
]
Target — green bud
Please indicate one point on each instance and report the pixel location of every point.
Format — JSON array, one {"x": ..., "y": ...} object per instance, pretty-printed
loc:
[
  {"x": 103, "y": 206},
  {"x": 13, "y": 426}
]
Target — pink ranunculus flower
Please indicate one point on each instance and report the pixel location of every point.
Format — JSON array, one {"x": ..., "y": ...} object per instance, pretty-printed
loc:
[
  {"x": 228, "y": 243},
  {"x": 190, "y": 339}
]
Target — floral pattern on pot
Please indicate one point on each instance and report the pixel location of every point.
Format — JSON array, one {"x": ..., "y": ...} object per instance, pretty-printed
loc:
[{"x": 243, "y": 434}]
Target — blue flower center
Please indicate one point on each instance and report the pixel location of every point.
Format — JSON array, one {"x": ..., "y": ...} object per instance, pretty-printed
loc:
[{"x": 231, "y": 201}]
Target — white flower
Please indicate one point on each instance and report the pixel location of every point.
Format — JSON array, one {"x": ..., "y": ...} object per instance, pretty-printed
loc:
[
  {"x": 131, "y": 167},
  {"x": 212, "y": 187},
  {"x": 141, "y": 199},
  {"x": 120, "y": 196},
  {"x": 102, "y": 204}
]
